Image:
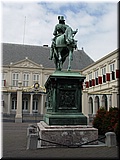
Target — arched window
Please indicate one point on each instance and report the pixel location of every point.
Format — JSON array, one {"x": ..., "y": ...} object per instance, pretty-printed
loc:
[
  {"x": 25, "y": 104},
  {"x": 97, "y": 104},
  {"x": 104, "y": 101},
  {"x": 90, "y": 105},
  {"x": 14, "y": 103}
]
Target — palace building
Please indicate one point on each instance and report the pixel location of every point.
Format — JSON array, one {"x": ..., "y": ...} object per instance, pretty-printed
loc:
[
  {"x": 101, "y": 87},
  {"x": 25, "y": 69}
]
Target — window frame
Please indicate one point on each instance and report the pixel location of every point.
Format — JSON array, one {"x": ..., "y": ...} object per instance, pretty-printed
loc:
[
  {"x": 26, "y": 77},
  {"x": 103, "y": 72},
  {"x": 14, "y": 104},
  {"x": 112, "y": 71},
  {"x": 35, "y": 105},
  {"x": 25, "y": 104},
  {"x": 15, "y": 79},
  {"x": 36, "y": 78}
]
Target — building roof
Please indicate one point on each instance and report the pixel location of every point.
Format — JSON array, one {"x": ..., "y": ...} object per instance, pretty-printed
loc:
[{"x": 40, "y": 55}]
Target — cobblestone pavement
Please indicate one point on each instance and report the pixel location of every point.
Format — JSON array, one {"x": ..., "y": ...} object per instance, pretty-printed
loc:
[{"x": 15, "y": 144}]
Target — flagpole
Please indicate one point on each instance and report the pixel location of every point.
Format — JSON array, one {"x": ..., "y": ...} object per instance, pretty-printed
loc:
[{"x": 24, "y": 30}]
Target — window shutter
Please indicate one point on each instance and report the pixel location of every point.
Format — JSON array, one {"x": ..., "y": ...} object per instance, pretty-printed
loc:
[
  {"x": 107, "y": 76},
  {"x": 100, "y": 80},
  {"x": 4, "y": 82},
  {"x": 93, "y": 82},
  {"x": 117, "y": 73},
  {"x": 87, "y": 84}
]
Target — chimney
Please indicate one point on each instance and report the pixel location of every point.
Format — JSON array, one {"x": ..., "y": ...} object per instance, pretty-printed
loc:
[{"x": 45, "y": 45}]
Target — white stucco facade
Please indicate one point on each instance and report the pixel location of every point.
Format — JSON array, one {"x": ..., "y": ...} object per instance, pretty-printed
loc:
[{"x": 101, "y": 84}]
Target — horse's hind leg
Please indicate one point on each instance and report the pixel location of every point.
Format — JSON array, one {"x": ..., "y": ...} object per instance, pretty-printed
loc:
[{"x": 59, "y": 54}]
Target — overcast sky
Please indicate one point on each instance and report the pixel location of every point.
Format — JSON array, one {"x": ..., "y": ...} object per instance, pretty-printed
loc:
[{"x": 96, "y": 23}]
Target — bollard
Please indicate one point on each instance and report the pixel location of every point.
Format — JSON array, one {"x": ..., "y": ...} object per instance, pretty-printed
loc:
[
  {"x": 110, "y": 139},
  {"x": 32, "y": 138},
  {"x": 32, "y": 141},
  {"x": 30, "y": 130}
]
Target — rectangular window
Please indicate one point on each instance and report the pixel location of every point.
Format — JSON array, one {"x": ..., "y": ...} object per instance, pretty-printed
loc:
[
  {"x": 35, "y": 105},
  {"x": 90, "y": 76},
  {"x": 90, "y": 80},
  {"x": 96, "y": 74},
  {"x": 112, "y": 71},
  {"x": 35, "y": 78},
  {"x": 14, "y": 104},
  {"x": 25, "y": 79},
  {"x": 3, "y": 80},
  {"x": 96, "y": 77},
  {"x": 15, "y": 78},
  {"x": 104, "y": 74},
  {"x": 25, "y": 104}
]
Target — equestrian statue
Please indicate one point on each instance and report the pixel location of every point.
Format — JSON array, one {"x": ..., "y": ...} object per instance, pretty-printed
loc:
[{"x": 63, "y": 44}]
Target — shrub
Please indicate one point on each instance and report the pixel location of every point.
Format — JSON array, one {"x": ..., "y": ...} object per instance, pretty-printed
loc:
[
  {"x": 105, "y": 121},
  {"x": 117, "y": 131},
  {"x": 98, "y": 120}
]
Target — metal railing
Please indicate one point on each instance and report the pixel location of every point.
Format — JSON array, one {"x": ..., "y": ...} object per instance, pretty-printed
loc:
[{"x": 72, "y": 146}]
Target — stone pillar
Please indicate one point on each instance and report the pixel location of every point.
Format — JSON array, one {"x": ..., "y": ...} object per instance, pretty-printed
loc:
[
  {"x": 31, "y": 102},
  {"x": 18, "y": 117},
  {"x": 85, "y": 108},
  {"x": 94, "y": 109},
  {"x": 9, "y": 103},
  {"x": 100, "y": 100},
  {"x": 108, "y": 102},
  {"x": 42, "y": 104},
  {"x": 114, "y": 97}
]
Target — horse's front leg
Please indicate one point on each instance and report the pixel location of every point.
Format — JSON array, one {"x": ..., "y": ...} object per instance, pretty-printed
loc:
[{"x": 70, "y": 59}]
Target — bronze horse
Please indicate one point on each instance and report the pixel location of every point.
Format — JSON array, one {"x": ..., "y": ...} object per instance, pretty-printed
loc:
[{"x": 64, "y": 46}]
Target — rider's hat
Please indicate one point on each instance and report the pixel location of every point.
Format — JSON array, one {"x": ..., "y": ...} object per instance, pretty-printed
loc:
[{"x": 61, "y": 18}]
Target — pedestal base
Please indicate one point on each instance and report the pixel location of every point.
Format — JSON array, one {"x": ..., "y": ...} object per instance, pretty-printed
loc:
[
  {"x": 66, "y": 134},
  {"x": 65, "y": 119}
]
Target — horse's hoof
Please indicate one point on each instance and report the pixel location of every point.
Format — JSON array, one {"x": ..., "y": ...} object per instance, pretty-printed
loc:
[
  {"x": 50, "y": 58},
  {"x": 68, "y": 69}
]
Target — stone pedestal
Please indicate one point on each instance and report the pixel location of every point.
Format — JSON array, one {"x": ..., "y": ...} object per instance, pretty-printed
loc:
[
  {"x": 64, "y": 99},
  {"x": 64, "y": 123},
  {"x": 70, "y": 135}
]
